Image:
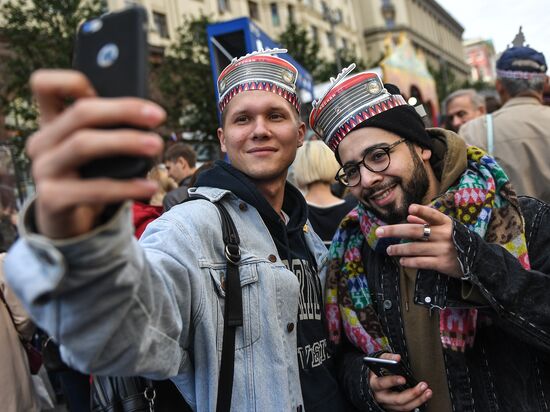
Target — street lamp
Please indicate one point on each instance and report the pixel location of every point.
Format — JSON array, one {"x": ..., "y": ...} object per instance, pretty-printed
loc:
[{"x": 334, "y": 17}]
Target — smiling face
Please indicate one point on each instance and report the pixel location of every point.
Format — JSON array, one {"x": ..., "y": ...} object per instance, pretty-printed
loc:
[
  {"x": 261, "y": 134},
  {"x": 388, "y": 194}
]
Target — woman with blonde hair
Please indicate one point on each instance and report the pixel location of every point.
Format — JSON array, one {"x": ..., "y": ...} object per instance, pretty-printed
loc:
[
  {"x": 314, "y": 172},
  {"x": 148, "y": 210}
]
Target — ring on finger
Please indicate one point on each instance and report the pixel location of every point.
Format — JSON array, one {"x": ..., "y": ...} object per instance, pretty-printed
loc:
[{"x": 427, "y": 231}]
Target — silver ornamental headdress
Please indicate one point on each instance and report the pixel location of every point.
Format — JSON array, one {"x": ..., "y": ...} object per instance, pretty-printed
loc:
[
  {"x": 259, "y": 70},
  {"x": 349, "y": 102}
]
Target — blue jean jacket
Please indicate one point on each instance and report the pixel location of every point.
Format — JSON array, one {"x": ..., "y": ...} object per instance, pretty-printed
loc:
[{"x": 155, "y": 308}]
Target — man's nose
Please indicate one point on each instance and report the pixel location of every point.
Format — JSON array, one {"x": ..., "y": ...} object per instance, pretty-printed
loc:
[
  {"x": 369, "y": 178},
  {"x": 261, "y": 128}
]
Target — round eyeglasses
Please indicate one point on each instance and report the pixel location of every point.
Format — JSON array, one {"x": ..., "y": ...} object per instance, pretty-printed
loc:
[{"x": 376, "y": 160}]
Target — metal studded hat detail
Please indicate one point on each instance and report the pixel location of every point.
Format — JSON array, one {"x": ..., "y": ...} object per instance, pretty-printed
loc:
[
  {"x": 349, "y": 102},
  {"x": 260, "y": 70}
]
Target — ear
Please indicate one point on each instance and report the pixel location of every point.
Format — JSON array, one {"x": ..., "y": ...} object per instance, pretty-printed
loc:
[
  {"x": 499, "y": 88},
  {"x": 301, "y": 134},
  {"x": 426, "y": 154},
  {"x": 221, "y": 138},
  {"x": 182, "y": 162}
]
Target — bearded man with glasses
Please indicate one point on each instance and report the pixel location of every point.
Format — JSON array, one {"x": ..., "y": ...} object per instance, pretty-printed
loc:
[{"x": 440, "y": 266}]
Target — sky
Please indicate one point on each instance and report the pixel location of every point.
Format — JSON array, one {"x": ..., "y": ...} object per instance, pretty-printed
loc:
[{"x": 499, "y": 20}]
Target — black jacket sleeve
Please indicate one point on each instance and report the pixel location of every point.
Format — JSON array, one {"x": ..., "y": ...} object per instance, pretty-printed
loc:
[
  {"x": 518, "y": 296},
  {"x": 353, "y": 376}
]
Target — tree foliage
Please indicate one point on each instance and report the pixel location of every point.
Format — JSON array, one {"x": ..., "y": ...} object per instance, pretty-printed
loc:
[
  {"x": 328, "y": 69},
  {"x": 38, "y": 34},
  {"x": 185, "y": 83},
  {"x": 306, "y": 52},
  {"x": 299, "y": 45}
]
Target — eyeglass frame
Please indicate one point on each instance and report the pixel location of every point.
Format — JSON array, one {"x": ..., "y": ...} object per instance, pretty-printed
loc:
[{"x": 386, "y": 149}]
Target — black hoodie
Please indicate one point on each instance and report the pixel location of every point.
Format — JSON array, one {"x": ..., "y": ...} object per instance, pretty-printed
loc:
[{"x": 319, "y": 387}]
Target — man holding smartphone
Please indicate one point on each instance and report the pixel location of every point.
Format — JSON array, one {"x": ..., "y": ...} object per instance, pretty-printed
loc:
[
  {"x": 439, "y": 266},
  {"x": 155, "y": 308}
]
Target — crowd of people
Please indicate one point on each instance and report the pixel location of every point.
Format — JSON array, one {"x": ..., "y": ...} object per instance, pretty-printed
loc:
[{"x": 211, "y": 288}]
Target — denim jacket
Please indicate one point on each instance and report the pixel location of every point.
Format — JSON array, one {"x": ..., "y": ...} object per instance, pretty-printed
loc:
[
  {"x": 156, "y": 308},
  {"x": 508, "y": 369}
]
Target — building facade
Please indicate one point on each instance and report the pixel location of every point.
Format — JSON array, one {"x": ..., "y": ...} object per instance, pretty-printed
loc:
[
  {"x": 428, "y": 26},
  {"x": 481, "y": 57},
  {"x": 330, "y": 22}
]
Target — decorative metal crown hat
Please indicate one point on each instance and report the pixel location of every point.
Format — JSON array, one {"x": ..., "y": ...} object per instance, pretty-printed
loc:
[
  {"x": 521, "y": 61},
  {"x": 349, "y": 102},
  {"x": 259, "y": 70}
]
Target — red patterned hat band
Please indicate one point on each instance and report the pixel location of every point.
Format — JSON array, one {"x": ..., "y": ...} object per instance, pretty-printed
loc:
[
  {"x": 260, "y": 70},
  {"x": 349, "y": 102}
]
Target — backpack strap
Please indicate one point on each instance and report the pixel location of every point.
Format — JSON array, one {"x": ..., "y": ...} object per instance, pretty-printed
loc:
[
  {"x": 233, "y": 311},
  {"x": 490, "y": 136}
]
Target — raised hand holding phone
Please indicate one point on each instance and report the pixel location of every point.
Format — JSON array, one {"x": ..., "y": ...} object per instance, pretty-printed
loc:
[
  {"x": 74, "y": 137},
  {"x": 67, "y": 205},
  {"x": 112, "y": 51},
  {"x": 386, "y": 389}
]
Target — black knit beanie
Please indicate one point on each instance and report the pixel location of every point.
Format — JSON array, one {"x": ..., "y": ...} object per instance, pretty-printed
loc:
[{"x": 403, "y": 120}]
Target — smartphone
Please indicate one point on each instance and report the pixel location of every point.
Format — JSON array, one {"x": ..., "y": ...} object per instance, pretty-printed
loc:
[
  {"x": 386, "y": 367},
  {"x": 112, "y": 51}
]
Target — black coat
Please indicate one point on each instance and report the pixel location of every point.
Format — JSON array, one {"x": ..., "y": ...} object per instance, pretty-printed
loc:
[{"x": 508, "y": 369}]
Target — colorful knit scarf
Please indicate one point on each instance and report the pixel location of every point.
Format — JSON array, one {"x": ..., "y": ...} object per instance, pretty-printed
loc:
[{"x": 482, "y": 200}]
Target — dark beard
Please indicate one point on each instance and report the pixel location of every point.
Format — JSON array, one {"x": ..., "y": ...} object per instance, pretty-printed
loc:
[{"x": 414, "y": 192}]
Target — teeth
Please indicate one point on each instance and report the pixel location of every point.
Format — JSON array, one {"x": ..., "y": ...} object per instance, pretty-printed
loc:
[{"x": 382, "y": 195}]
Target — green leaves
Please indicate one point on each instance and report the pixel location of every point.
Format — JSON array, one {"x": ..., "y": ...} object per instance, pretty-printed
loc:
[
  {"x": 38, "y": 34},
  {"x": 184, "y": 80},
  {"x": 306, "y": 52}
]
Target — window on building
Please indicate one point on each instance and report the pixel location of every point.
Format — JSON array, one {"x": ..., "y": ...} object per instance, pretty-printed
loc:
[
  {"x": 291, "y": 13},
  {"x": 315, "y": 34},
  {"x": 331, "y": 40},
  {"x": 344, "y": 43},
  {"x": 275, "y": 19},
  {"x": 253, "y": 10},
  {"x": 223, "y": 5},
  {"x": 161, "y": 25}
]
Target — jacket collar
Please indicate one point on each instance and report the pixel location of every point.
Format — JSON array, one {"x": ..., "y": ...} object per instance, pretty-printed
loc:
[
  {"x": 213, "y": 194},
  {"x": 520, "y": 101}
]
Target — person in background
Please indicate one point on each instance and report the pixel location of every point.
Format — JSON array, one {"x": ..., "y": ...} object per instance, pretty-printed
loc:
[
  {"x": 202, "y": 168},
  {"x": 461, "y": 106},
  {"x": 518, "y": 134},
  {"x": 492, "y": 103},
  {"x": 144, "y": 212},
  {"x": 16, "y": 388},
  {"x": 440, "y": 265},
  {"x": 180, "y": 160},
  {"x": 314, "y": 172},
  {"x": 159, "y": 174}
]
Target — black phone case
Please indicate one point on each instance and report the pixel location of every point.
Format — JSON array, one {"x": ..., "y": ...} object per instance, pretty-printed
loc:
[
  {"x": 400, "y": 369},
  {"x": 112, "y": 51}
]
